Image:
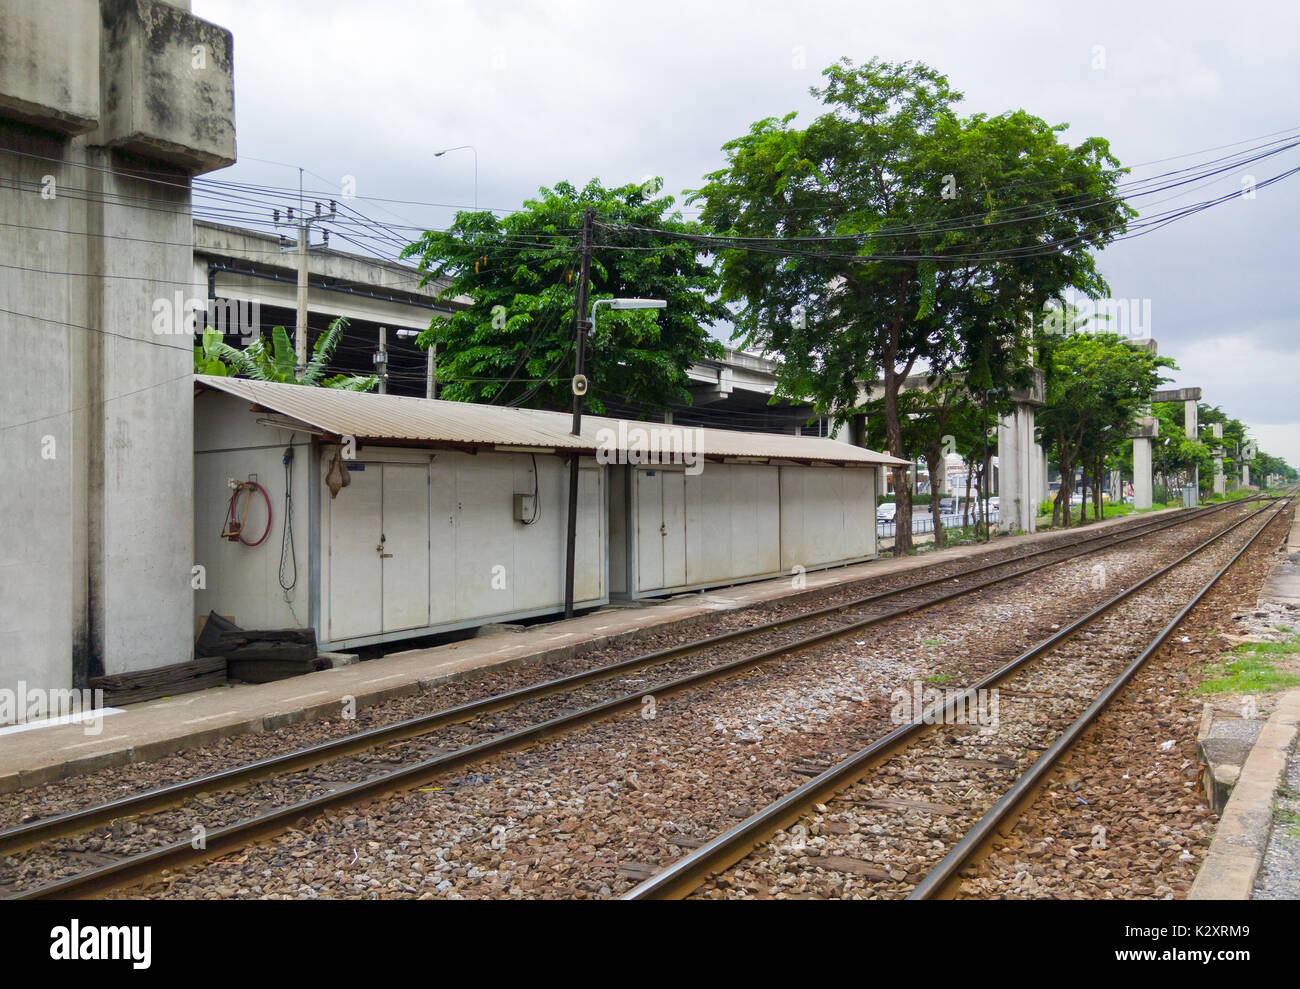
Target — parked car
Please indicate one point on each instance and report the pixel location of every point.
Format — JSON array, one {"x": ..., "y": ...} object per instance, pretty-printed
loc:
[{"x": 886, "y": 511}]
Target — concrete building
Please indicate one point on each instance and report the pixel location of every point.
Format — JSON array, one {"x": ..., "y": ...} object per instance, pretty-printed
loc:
[
  {"x": 107, "y": 109},
  {"x": 455, "y": 513}
]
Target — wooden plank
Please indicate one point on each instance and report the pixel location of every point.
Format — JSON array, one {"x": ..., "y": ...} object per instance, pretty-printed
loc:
[
  {"x": 153, "y": 692},
  {"x": 177, "y": 672}
]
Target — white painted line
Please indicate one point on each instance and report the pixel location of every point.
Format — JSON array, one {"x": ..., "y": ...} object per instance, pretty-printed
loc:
[
  {"x": 65, "y": 719},
  {"x": 314, "y": 693},
  {"x": 395, "y": 676},
  {"x": 97, "y": 741},
  {"x": 209, "y": 717}
]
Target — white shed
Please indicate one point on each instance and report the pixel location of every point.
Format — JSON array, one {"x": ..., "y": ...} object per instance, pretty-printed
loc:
[
  {"x": 735, "y": 522},
  {"x": 455, "y": 514}
]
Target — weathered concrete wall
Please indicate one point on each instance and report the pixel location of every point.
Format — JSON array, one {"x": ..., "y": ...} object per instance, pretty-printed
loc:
[
  {"x": 96, "y": 420},
  {"x": 168, "y": 85},
  {"x": 49, "y": 64}
]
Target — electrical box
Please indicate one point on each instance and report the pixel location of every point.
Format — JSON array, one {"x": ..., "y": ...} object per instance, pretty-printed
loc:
[{"x": 525, "y": 507}]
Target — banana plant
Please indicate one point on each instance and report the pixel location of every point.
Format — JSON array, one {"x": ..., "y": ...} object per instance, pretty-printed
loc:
[{"x": 277, "y": 362}]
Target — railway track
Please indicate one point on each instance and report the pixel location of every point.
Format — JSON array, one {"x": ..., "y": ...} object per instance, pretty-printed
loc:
[
  {"x": 901, "y": 817},
  {"x": 821, "y": 625}
]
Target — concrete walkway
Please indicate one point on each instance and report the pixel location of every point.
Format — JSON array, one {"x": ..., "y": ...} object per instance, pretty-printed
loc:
[
  {"x": 1241, "y": 839},
  {"x": 1283, "y": 585},
  {"x": 1246, "y": 826},
  {"x": 150, "y": 730}
]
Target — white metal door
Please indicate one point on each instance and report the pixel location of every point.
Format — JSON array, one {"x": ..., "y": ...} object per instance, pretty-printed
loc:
[
  {"x": 442, "y": 539},
  {"x": 404, "y": 543},
  {"x": 485, "y": 537},
  {"x": 674, "y": 528},
  {"x": 355, "y": 584},
  {"x": 649, "y": 530},
  {"x": 589, "y": 555}
]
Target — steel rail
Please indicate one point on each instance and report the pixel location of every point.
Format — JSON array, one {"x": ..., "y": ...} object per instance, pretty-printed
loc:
[
  {"x": 939, "y": 879},
  {"x": 116, "y": 874},
  {"x": 683, "y": 876},
  {"x": 34, "y": 833}
]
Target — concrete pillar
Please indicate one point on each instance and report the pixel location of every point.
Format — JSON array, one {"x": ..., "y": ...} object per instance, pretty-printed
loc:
[
  {"x": 1192, "y": 427},
  {"x": 1220, "y": 483},
  {"x": 1044, "y": 484},
  {"x": 1115, "y": 484},
  {"x": 1017, "y": 459},
  {"x": 1145, "y": 430},
  {"x": 118, "y": 104},
  {"x": 1142, "y": 472}
]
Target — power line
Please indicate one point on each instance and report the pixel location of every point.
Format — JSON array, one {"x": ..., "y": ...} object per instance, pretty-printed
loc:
[
  {"x": 991, "y": 218},
  {"x": 769, "y": 245}
]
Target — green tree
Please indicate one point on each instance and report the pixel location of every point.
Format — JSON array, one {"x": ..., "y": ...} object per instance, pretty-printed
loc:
[
  {"x": 514, "y": 343},
  {"x": 1175, "y": 456},
  {"x": 893, "y": 235},
  {"x": 1096, "y": 385},
  {"x": 278, "y": 362},
  {"x": 936, "y": 418}
]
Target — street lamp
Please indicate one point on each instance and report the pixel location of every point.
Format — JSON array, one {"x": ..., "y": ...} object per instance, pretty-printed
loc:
[
  {"x": 465, "y": 147},
  {"x": 579, "y": 380},
  {"x": 580, "y": 389},
  {"x": 628, "y": 304}
]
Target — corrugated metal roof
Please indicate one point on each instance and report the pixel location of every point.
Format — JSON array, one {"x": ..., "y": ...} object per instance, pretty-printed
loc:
[{"x": 433, "y": 421}]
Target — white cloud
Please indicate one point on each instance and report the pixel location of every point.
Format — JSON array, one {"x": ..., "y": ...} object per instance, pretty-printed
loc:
[{"x": 569, "y": 90}]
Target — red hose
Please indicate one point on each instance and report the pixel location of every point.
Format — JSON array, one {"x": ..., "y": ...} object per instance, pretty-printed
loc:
[{"x": 247, "y": 486}]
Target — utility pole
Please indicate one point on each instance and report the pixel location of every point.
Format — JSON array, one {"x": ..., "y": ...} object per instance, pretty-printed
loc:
[
  {"x": 580, "y": 328},
  {"x": 381, "y": 360},
  {"x": 303, "y": 222},
  {"x": 987, "y": 469}
]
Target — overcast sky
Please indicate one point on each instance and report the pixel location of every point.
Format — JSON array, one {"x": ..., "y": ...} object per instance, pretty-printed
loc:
[{"x": 564, "y": 89}]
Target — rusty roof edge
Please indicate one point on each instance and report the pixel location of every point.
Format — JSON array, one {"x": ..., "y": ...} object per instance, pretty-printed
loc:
[{"x": 535, "y": 427}]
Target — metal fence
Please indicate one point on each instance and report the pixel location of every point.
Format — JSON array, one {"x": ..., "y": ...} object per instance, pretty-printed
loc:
[{"x": 925, "y": 523}]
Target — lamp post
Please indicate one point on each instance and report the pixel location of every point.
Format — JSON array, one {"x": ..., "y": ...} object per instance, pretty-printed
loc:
[
  {"x": 580, "y": 389},
  {"x": 465, "y": 147},
  {"x": 431, "y": 382}
]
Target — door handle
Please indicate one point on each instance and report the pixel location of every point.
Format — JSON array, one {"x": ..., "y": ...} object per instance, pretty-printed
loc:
[{"x": 385, "y": 556}]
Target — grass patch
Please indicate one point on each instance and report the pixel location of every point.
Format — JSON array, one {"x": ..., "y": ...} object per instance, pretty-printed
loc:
[
  {"x": 933, "y": 642},
  {"x": 1290, "y": 820},
  {"x": 938, "y": 678},
  {"x": 1250, "y": 670}
]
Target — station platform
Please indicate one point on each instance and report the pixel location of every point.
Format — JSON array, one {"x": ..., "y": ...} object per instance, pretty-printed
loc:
[{"x": 150, "y": 730}]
